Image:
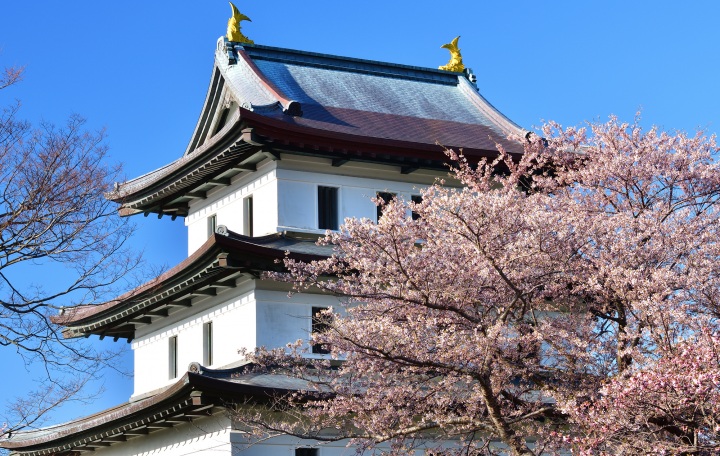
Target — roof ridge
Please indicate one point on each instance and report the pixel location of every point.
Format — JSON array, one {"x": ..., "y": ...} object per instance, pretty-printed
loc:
[{"x": 262, "y": 52}]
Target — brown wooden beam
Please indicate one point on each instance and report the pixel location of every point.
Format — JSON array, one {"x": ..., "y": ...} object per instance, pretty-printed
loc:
[
  {"x": 226, "y": 284},
  {"x": 178, "y": 419},
  {"x": 220, "y": 181},
  {"x": 206, "y": 292},
  {"x": 160, "y": 425},
  {"x": 115, "y": 438},
  {"x": 162, "y": 312},
  {"x": 245, "y": 167}
]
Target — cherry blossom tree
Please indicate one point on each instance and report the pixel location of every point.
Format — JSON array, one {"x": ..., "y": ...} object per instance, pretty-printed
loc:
[
  {"x": 61, "y": 244},
  {"x": 564, "y": 300}
]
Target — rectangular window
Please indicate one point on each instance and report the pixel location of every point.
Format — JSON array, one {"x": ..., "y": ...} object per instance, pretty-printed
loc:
[
  {"x": 327, "y": 208},
  {"x": 306, "y": 452},
  {"x": 319, "y": 324},
  {"x": 386, "y": 197},
  {"x": 417, "y": 199},
  {"x": 207, "y": 344},
  {"x": 172, "y": 357},
  {"x": 211, "y": 225},
  {"x": 248, "y": 216}
]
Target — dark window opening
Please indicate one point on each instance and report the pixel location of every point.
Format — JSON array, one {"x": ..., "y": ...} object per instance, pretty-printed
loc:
[
  {"x": 327, "y": 208},
  {"x": 172, "y": 356},
  {"x": 417, "y": 199},
  {"x": 306, "y": 452},
  {"x": 319, "y": 325},
  {"x": 248, "y": 216},
  {"x": 207, "y": 344},
  {"x": 386, "y": 197},
  {"x": 211, "y": 225}
]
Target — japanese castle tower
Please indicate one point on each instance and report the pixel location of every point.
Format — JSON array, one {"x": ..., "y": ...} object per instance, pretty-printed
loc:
[{"x": 287, "y": 145}]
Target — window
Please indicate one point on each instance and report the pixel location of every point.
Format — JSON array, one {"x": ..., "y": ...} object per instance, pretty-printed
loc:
[
  {"x": 306, "y": 452},
  {"x": 386, "y": 197},
  {"x": 207, "y": 344},
  {"x": 327, "y": 208},
  {"x": 248, "y": 216},
  {"x": 172, "y": 357},
  {"x": 417, "y": 199},
  {"x": 211, "y": 225},
  {"x": 319, "y": 324}
]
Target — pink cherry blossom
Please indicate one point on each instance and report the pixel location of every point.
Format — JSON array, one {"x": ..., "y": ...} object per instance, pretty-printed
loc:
[{"x": 564, "y": 301}]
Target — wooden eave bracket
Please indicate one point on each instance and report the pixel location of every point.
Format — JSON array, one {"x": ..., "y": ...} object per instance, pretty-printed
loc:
[{"x": 250, "y": 137}]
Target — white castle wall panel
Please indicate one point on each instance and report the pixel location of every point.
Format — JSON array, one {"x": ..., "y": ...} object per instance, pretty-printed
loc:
[
  {"x": 207, "y": 436},
  {"x": 226, "y": 204},
  {"x": 297, "y": 204},
  {"x": 282, "y": 320},
  {"x": 233, "y": 318},
  {"x": 286, "y": 445}
]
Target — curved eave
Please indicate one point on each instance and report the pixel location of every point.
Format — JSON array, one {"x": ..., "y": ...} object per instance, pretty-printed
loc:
[
  {"x": 212, "y": 268},
  {"x": 253, "y": 137},
  {"x": 192, "y": 397},
  {"x": 169, "y": 190},
  {"x": 298, "y": 139}
]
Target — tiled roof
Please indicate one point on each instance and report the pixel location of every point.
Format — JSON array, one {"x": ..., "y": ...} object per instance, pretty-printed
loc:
[
  {"x": 199, "y": 393},
  {"x": 315, "y": 104},
  {"x": 220, "y": 260},
  {"x": 380, "y": 100}
]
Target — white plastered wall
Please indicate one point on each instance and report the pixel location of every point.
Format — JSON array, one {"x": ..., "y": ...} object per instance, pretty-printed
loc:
[
  {"x": 286, "y": 445},
  {"x": 282, "y": 320},
  {"x": 285, "y": 195},
  {"x": 227, "y": 206},
  {"x": 299, "y": 177},
  {"x": 232, "y": 314},
  {"x": 207, "y": 436},
  {"x": 255, "y": 313}
]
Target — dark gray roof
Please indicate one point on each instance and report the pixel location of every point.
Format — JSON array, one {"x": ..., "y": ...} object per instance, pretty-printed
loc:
[
  {"x": 283, "y": 101},
  {"x": 225, "y": 256},
  {"x": 199, "y": 393},
  {"x": 358, "y": 97},
  {"x": 376, "y": 87}
]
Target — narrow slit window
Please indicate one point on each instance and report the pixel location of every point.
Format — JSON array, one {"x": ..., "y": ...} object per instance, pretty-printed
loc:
[
  {"x": 172, "y": 357},
  {"x": 211, "y": 225},
  {"x": 417, "y": 199},
  {"x": 248, "y": 216},
  {"x": 386, "y": 197},
  {"x": 319, "y": 325},
  {"x": 208, "y": 344},
  {"x": 327, "y": 208}
]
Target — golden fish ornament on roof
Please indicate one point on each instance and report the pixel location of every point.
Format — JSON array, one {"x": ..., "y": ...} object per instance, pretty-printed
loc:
[
  {"x": 233, "y": 30},
  {"x": 455, "y": 63}
]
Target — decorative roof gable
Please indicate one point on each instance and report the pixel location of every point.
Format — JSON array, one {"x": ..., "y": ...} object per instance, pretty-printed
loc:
[{"x": 264, "y": 102}]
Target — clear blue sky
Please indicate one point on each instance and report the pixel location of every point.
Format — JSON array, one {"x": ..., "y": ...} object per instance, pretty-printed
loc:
[{"x": 141, "y": 69}]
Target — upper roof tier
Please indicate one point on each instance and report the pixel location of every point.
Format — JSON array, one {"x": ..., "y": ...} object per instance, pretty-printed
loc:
[{"x": 265, "y": 101}]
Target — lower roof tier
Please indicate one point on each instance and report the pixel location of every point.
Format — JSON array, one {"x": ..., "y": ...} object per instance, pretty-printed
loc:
[
  {"x": 216, "y": 265},
  {"x": 200, "y": 393}
]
